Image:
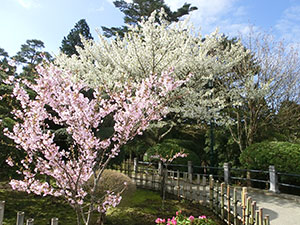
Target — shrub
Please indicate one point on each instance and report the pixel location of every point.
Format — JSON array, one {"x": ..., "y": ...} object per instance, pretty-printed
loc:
[
  {"x": 181, "y": 219},
  {"x": 284, "y": 156},
  {"x": 114, "y": 181}
]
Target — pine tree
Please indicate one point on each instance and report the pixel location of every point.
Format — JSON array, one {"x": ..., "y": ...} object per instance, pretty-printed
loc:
[
  {"x": 135, "y": 11},
  {"x": 69, "y": 43},
  {"x": 30, "y": 55}
]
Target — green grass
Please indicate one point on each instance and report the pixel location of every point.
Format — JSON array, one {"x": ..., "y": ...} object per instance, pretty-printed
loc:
[
  {"x": 142, "y": 207},
  {"x": 145, "y": 206},
  {"x": 42, "y": 209}
]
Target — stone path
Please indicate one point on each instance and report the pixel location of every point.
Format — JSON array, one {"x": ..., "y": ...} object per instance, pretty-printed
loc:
[{"x": 283, "y": 209}]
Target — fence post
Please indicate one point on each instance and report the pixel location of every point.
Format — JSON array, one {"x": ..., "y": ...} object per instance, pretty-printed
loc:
[
  {"x": 129, "y": 168},
  {"x": 178, "y": 184},
  {"x": 235, "y": 208},
  {"x": 160, "y": 168},
  {"x": 20, "y": 218},
  {"x": 260, "y": 214},
  {"x": 244, "y": 196},
  {"x": 30, "y": 221},
  {"x": 253, "y": 209},
  {"x": 222, "y": 201},
  {"x": 162, "y": 174},
  {"x": 273, "y": 179},
  {"x": 267, "y": 220},
  {"x": 228, "y": 204},
  {"x": 2, "y": 204},
  {"x": 190, "y": 170},
  {"x": 54, "y": 221},
  {"x": 248, "y": 210},
  {"x": 211, "y": 191},
  {"x": 135, "y": 165},
  {"x": 226, "y": 167}
]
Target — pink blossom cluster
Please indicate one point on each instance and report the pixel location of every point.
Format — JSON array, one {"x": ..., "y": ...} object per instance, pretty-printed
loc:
[
  {"x": 159, "y": 220},
  {"x": 180, "y": 219},
  {"x": 11, "y": 63},
  {"x": 133, "y": 108},
  {"x": 168, "y": 158},
  {"x": 111, "y": 200}
]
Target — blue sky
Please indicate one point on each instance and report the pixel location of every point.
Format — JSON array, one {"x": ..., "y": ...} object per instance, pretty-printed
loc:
[{"x": 51, "y": 20}]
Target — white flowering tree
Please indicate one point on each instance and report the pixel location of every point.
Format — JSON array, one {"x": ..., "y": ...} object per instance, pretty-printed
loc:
[
  {"x": 151, "y": 48},
  {"x": 267, "y": 112},
  {"x": 62, "y": 102}
]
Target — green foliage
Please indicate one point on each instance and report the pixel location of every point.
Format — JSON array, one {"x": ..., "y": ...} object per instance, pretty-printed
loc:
[
  {"x": 145, "y": 206},
  {"x": 69, "y": 43},
  {"x": 6, "y": 145},
  {"x": 137, "y": 147},
  {"x": 3, "y": 52},
  {"x": 30, "y": 56},
  {"x": 5, "y": 68},
  {"x": 29, "y": 51},
  {"x": 113, "y": 181},
  {"x": 287, "y": 120},
  {"x": 170, "y": 147},
  {"x": 42, "y": 209},
  {"x": 284, "y": 156},
  {"x": 180, "y": 219},
  {"x": 225, "y": 149},
  {"x": 137, "y": 9}
]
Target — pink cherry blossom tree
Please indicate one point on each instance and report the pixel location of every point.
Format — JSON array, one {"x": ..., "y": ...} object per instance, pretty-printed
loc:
[{"x": 132, "y": 105}]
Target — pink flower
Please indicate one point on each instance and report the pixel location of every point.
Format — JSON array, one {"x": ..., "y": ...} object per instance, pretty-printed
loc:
[
  {"x": 202, "y": 217},
  {"x": 160, "y": 221},
  {"x": 9, "y": 161},
  {"x": 174, "y": 221},
  {"x": 133, "y": 107},
  {"x": 191, "y": 218}
]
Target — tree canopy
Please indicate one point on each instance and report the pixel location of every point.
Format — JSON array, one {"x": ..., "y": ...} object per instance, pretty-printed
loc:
[
  {"x": 69, "y": 43},
  {"x": 30, "y": 55},
  {"x": 136, "y": 10},
  {"x": 154, "y": 47}
]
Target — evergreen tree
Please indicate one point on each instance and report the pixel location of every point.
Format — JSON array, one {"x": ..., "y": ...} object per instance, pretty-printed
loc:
[
  {"x": 6, "y": 118},
  {"x": 30, "y": 55},
  {"x": 135, "y": 11},
  {"x": 3, "y": 53},
  {"x": 69, "y": 43},
  {"x": 3, "y": 61}
]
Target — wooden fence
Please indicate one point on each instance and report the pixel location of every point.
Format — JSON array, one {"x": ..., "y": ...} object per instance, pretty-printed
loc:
[
  {"x": 232, "y": 204},
  {"x": 21, "y": 217}
]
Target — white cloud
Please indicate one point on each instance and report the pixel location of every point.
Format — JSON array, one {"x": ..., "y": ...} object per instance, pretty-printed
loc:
[
  {"x": 289, "y": 25},
  {"x": 224, "y": 14},
  {"x": 28, "y": 4},
  {"x": 227, "y": 15}
]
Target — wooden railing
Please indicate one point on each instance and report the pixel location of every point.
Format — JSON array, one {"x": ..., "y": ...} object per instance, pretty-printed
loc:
[{"x": 232, "y": 204}]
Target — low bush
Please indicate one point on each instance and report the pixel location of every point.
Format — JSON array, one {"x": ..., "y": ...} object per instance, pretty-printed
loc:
[
  {"x": 284, "y": 156},
  {"x": 114, "y": 181}
]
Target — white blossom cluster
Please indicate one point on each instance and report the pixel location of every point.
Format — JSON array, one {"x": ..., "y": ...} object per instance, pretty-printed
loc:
[{"x": 155, "y": 46}]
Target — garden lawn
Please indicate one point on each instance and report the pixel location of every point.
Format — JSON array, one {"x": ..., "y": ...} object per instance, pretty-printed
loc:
[
  {"x": 141, "y": 208},
  {"x": 145, "y": 206},
  {"x": 42, "y": 209}
]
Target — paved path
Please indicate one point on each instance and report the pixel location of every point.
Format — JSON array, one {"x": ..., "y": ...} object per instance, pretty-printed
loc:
[{"x": 283, "y": 209}]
